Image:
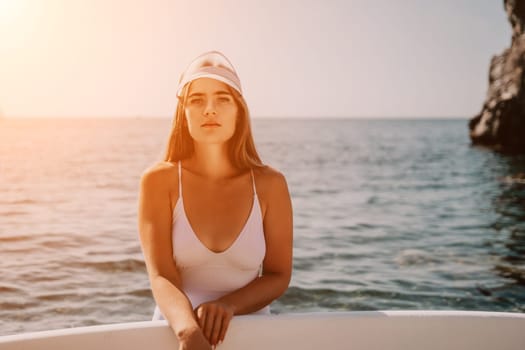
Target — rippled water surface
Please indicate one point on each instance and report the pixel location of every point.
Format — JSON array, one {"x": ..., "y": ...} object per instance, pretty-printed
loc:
[{"x": 388, "y": 214}]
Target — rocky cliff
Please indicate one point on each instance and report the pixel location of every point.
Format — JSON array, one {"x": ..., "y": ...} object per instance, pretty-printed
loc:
[{"x": 501, "y": 122}]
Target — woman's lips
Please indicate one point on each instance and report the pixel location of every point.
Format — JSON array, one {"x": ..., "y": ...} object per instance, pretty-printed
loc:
[{"x": 210, "y": 125}]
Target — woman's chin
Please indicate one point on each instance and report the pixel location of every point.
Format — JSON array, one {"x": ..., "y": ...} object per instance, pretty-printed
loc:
[{"x": 212, "y": 139}]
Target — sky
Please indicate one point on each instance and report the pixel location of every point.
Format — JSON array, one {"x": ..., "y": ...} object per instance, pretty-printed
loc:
[{"x": 295, "y": 58}]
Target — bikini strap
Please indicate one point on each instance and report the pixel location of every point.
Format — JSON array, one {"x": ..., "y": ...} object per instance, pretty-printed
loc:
[
  {"x": 180, "y": 180},
  {"x": 253, "y": 182}
]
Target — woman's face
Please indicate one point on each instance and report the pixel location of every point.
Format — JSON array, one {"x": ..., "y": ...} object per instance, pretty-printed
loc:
[{"x": 211, "y": 111}]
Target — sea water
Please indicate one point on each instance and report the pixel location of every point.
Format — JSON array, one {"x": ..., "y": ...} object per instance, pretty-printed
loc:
[{"x": 388, "y": 214}]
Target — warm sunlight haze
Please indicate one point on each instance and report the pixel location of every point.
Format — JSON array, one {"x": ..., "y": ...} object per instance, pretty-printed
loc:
[
  {"x": 322, "y": 173},
  {"x": 317, "y": 58}
]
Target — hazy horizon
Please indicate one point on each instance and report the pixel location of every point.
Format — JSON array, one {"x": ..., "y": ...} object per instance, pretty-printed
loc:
[{"x": 256, "y": 117}]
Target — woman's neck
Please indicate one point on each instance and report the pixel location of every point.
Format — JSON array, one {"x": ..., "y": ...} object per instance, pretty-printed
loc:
[{"x": 211, "y": 161}]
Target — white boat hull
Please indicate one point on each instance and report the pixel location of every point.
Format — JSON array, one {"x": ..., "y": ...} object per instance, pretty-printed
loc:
[{"x": 403, "y": 330}]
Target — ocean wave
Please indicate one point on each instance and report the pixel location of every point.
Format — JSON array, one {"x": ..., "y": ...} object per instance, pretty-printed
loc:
[
  {"x": 9, "y": 289},
  {"x": 140, "y": 293},
  {"x": 17, "y": 238},
  {"x": 412, "y": 257},
  {"x": 10, "y": 213},
  {"x": 14, "y": 305},
  {"x": 59, "y": 297},
  {"x": 124, "y": 265}
]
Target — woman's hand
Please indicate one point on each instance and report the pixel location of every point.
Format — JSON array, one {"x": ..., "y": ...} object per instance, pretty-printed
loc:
[
  {"x": 214, "y": 318},
  {"x": 194, "y": 340}
]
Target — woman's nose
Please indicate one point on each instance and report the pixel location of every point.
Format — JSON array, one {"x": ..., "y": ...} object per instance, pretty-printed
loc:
[{"x": 210, "y": 108}]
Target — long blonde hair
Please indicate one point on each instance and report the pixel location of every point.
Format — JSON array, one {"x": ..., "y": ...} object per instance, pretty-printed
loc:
[{"x": 241, "y": 146}]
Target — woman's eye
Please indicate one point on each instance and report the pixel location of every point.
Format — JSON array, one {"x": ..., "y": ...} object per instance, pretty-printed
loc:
[
  {"x": 224, "y": 99},
  {"x": 196, "y": 101}
]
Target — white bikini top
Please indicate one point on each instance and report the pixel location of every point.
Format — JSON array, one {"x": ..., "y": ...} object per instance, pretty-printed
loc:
[{"x": 207, "y": 275}]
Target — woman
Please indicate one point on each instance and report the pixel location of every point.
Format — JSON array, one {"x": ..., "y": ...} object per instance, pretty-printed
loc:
[{"x": 215, "y": 223}]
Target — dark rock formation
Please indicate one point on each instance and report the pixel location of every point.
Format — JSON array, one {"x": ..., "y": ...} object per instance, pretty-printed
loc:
[{"x": 501, "y": 123}]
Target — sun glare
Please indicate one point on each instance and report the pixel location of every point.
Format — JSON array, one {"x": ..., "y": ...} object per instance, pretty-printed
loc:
[{"x": 10, "y": 10}]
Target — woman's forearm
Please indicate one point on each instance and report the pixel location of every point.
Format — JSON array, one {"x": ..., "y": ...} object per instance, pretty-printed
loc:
[
  {"x": 175, "y": 306},
  {"x": 257, "y": 294}
]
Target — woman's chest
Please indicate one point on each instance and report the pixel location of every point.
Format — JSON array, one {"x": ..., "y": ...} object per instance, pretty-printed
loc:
[{"x": 218, "y": 213}]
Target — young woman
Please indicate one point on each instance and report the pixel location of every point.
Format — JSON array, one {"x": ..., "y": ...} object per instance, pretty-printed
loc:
[{"x": 215, "y": 223}]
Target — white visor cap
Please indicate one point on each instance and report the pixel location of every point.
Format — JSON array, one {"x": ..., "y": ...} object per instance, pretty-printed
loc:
[{"x": 212, "y": 64}]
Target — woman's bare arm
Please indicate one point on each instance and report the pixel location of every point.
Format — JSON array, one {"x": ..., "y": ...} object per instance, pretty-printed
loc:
[{"x": 154, "y": 220}]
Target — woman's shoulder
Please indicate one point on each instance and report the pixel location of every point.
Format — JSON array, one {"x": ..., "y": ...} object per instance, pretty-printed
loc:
[
  {"x": 160, "y": 172},
  {"x": 268, "y": 173},
  {"x": 269, "y": 179}
]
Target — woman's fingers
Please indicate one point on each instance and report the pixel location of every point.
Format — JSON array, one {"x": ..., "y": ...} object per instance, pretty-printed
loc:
[
  {"x": 214, "y": 319},
  {"x": 209, "y": 323},
  {"x": 224, "y": 326},
  {"x": 201, "y": 316},
  {"x": 216, "y": 329}
]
